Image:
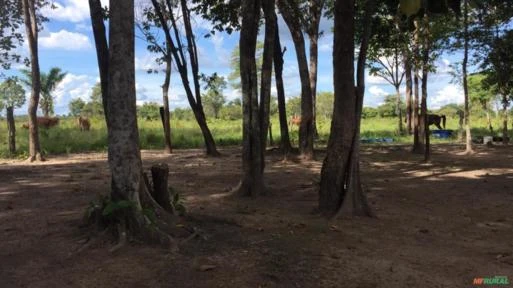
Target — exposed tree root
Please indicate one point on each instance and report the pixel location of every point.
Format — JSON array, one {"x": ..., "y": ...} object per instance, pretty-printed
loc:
[{"x": 135, "y": 224}]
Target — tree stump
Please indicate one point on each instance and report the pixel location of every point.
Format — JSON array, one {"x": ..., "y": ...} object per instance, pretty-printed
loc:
[{"x": 160, "y": 192}]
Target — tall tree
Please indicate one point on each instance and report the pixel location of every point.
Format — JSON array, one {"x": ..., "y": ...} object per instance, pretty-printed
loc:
[
  {"x": 285, "y": 145},
  {"x": 12, "y": 96},
  {"x": 255, "y": 110},
  {"x": 129, "y": 188},
  {"x": 49, "y": 82},
  {"x": 314, "y": 15},
  {"x": 214, "y": 98},
  {"x": 499, "y": 74},
  {"x": 386, "y": 64},
  {"x": 292, "y": 15},
  {"x": 31, "y": 27},
  {"x": 466, "y": 40},
  {"x": 340, "y": 186},
  {"x": 164, "y": 14},
  {"x": 480, "y": 96},
  {"x": 147, "y": 27}
]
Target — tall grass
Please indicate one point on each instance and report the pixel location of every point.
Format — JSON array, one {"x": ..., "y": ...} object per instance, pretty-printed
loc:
[{"x": 67, "y": 138}]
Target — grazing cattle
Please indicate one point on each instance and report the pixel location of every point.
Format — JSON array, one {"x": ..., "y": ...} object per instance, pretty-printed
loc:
[
  {"x": 436, "y": 119},
  {"x": 295, "y": 120},
  {"x": 83, "y": 123},
  {"x": 45, "y": 122}
]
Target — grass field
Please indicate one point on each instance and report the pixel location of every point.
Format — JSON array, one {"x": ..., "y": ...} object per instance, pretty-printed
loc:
[{"x": 67, "y": 138}]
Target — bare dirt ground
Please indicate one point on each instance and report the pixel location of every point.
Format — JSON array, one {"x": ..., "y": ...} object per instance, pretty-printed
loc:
[{"x": 439, "y": 224}]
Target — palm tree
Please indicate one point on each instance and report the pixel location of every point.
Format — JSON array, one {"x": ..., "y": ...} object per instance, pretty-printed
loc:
[{"x": 49, "y": 82}]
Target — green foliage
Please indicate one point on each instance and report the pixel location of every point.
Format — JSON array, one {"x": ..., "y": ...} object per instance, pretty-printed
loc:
[
  {"x": 149, "y": 111},
  {"x": 232, "y": 111},
  {"x": 450, "y": 110},
  {"x": 183, "y": 114},
  {"x": 388, "y": 109},
  {"x": 369, "y": 112},
  {"x": 214, "y": 98},
  {"x": 234, "y": 76},
  {"x": 177, "y": 202},
  {"x": 477, "y": 92},
  {"x": 293, "y": 106},
  {"x": 49, "y": 82},
  {"x": 12, "y": 94},
  {"x": 92, "y": 108},
  {"x": 499, "y": 73},
  {"x": 76, "y": 107},
  {"x": 324, "y": 105}
]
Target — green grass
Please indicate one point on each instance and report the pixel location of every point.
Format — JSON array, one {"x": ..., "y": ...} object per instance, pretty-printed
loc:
[{"x": 67, "y": 138}]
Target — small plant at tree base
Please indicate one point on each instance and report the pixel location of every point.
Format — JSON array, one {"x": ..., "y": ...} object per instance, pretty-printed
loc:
[
  {"x": 177, "y": 202},
  {"x": 104, "y": 212}
]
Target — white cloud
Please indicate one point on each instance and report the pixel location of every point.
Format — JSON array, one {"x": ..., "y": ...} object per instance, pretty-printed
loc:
[
  {"x": 68, "y": 10},
  {"x": 72, "y": 86},
  {"x": 65, "y": 40},
  {"x": 446, "y": 95},
  {"x": 375, "y": 90},
  {"x": 148, "y": 62}
]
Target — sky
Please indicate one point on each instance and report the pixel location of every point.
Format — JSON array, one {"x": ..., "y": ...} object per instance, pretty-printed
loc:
[{"x": 67, "y": 42}]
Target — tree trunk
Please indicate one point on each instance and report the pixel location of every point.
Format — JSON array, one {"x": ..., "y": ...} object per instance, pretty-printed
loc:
[
  {"x": 165, "y": 100},
  {"x": 315, "y": 11},
  {"x": 252, "y": 183},
  {"x": 489, "y": 120},
  {"x": 505, "y": 105},
  {"x": 407, "y": 68},
  {"x": 468, "y": 142},
  {"x": 290, "y": 14},
  {"x": 123, "y": 135},
  {"x": 398, "y": 110},
  {"x": 11, "y": 129},
  {"x": 266, "y": 72},
  {"x": 285, "y": 145},
  {"x": 177, "y": 51},
  {"x": 102, "y": 51},
  {"x": 313, "y": 78},
  {"x": 424, "y": 127},
  {"x": 127, "y": 177},
  {"x": 418, "y": 140},
  {"x": 29, "y": 13},
  {"x": 340, "y": 187}
]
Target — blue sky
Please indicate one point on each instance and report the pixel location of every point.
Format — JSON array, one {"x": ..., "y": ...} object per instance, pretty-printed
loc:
[{"x": 67, "y": 42}]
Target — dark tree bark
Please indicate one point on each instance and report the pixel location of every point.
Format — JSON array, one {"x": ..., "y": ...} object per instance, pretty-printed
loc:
[
  {"x": 340, "y": 188},
  {"x": 423, "y": 127},
  {"x": 407, "y": 68},
  {"x": 267, "y": 71},
  {"x": 291, "y": 15},
  {"x": 11, "y": 129},
  {"x": 102, "y": 51},
  {"x": 468, "y": 142},
  {"x": 29, "y": 14},
  {"x": 418, "y": 139},
  {"x": 159, "y": 175},
  {"x": 505, "y": 105},
  {"x": 252, "y": 183},
  {"x": 315, "y": 13},
  {"x": 285, "y": 145}
]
